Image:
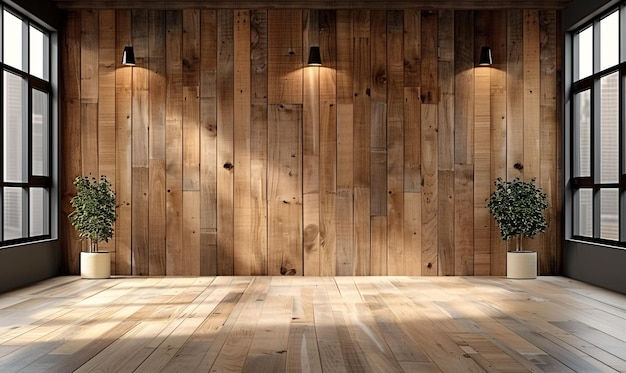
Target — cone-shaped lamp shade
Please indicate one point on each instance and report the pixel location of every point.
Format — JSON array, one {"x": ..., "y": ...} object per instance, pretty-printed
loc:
[
  {"x": 314, "y": 57},
  {"x": 128, "y": 57},
  {"x": 485, "y": 57}
]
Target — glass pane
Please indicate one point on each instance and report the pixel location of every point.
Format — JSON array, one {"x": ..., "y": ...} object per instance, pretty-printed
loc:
[
  {"x": 609, "y": 215},
  {"x": 38, "y": 212},
  {"x": 582, "y": 123},
  {"x": 584, "y": 44},
  {"x": 14, "y": 128},
  {"x": 585, "y": 213},
  {"x": 12, "y": 40},
  {"x": 609, "y": 128},
  {"x": 38, "y": 53},
  {"x": 40, "y": 135},
  {"x": 13, "y": 198},
  {"x": 609, "y": 41}
]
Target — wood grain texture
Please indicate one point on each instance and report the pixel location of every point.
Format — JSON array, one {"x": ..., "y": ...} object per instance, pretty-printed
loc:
[
  {"x": 550, "y": 92},
  {"x": 532, "y": 109},
  {"x": 285, "y": 56},
  {"x": 174, "y": 138},
  {"x": 69, "y": 139},
  {"x": 277, "y": 324},
  {"x": 396, "y": 259},
  {"x": 208, "y": 143},
  {"x": 397, "y": 113},
  {"x": 225, "y": 152},
  {"x": 258, "y": 138},
  {"x": 311, "y": 147},
  {"x": 498, "y": 132},
  {"x": 157, "y": 144},
  {"x": 243, "y": 207},
  {"x": 328, "y": 143},
  {"x": 123, "y": 133},
  {"x": 285, "y": 190}
]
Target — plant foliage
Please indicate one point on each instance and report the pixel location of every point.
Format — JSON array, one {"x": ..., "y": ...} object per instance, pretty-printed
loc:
[
  {"x": 94, "y": 210},
  {"x": 518, "y": 208}
]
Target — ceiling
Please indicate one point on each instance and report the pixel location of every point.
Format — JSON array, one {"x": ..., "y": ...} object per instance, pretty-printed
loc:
[{"x": 312, "y": 4}]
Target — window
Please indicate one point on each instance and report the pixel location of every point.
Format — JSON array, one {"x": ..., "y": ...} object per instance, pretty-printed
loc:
[
  {"x": 25, "y": 186},
  {"x": 596, "y": 129}
]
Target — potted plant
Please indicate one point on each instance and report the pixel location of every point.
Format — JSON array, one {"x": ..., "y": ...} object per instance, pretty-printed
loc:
[
  {"x": 93, "y": 218},
  {"x": 518, "y": 208}
]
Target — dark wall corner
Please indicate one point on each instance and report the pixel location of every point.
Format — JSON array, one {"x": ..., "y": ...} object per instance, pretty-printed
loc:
[{"x": 27, "y": 264}]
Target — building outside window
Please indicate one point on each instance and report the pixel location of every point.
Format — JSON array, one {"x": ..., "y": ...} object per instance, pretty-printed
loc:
[
  {"x": 25, "y": 193},
  {"x": 596, "y": 130}
]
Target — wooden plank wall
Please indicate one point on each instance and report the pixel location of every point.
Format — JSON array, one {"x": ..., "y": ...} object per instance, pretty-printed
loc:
[{"x": 230, "y": 156}]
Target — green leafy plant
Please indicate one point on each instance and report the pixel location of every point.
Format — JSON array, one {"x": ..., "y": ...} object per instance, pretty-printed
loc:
[
  {"x": 94, "y": 210},
  {"x": 518, "y": 208}
]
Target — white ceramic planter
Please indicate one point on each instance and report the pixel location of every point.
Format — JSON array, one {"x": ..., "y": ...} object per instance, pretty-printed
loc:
[
  {"x": 521, "y": 264},
  {"x": 95, "y": 265}
]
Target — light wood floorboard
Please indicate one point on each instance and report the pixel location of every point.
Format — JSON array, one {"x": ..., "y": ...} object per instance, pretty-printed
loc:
[{"x": 312, "y": 324}]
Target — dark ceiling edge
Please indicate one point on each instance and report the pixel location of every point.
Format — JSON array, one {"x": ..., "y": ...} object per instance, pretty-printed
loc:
[{"x": 312, "y": 4}]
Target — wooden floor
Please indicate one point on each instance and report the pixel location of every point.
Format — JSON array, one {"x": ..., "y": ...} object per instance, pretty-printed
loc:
[{"x": 297, "y": 324}]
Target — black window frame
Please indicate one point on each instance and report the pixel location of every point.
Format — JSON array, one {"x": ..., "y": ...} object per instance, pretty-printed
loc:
[
  {"x": 33, "y": 181},
  {"x": 592, "y": 83}
]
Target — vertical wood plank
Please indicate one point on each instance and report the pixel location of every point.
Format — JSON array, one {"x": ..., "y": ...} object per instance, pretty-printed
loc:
[
  {"x": 378, "y": 258},
  {"x": 429, "y": 83},
  {"x": 515, "y": 93},
  {"x": 191, "y": 233},
  {"x": 445, "y": 223},
  {"x": 191, "y": 104},
  {"x": 106, "y": 103},
  {"x": 482, "y": 151},
  {"x": 413, "y": 229},
  {"x": 258, "y": 138},
  {"x": 345, "y": 186},
  {"x": 174, "y": 140},
  {"x": 69, "y": 137},
  {"x": 362, "y": 232},
  {"x": 378, "y": 55},
  {"x": 344, "y": 56},
  {"x": 157, "y": 218},
  {"x": 361, "y": 92},
  {"x": 89, "y": 92},
  {"x": 361, "y": 142},
  {"x": 464, "y": 87},
  {"x": 123, "y": 173},
  {"x": 208, "y": 143},
  {"x": 498, "y": 129},
  {"x": 311, "y": 147},
  {"x": 430, "y": 197},
  {"x": 225, "y": 152},
  {"x": 463, "y": 220},
  {"x": 285, "y": 56},
  {"x": 328, "y": 142},
  {"x": 345, "y": 232},
  {"x": 140, "y": 138},
  {"x": 241, "y": 117},
  {"x": 446, "y": 138},
  {"x": 379, "y": 159},
  {"x": 445, "y": 145},
  {"x": 395, "y": 144},
  {"x": 156, "y": 145},
  {"x": 412, "y": 48},
  {"x": 549, "y": 137},
  {"x": 412, "y": 140},
  {"x": 532, "y": 110},
  {"x": 285, "y": 190},
  {"x": 191, "y": 180}
]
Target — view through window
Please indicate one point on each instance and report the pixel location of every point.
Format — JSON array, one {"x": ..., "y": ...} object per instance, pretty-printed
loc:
[
  {"x": 26, "y": 129},
  {"x": 598, "y": 148}
]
